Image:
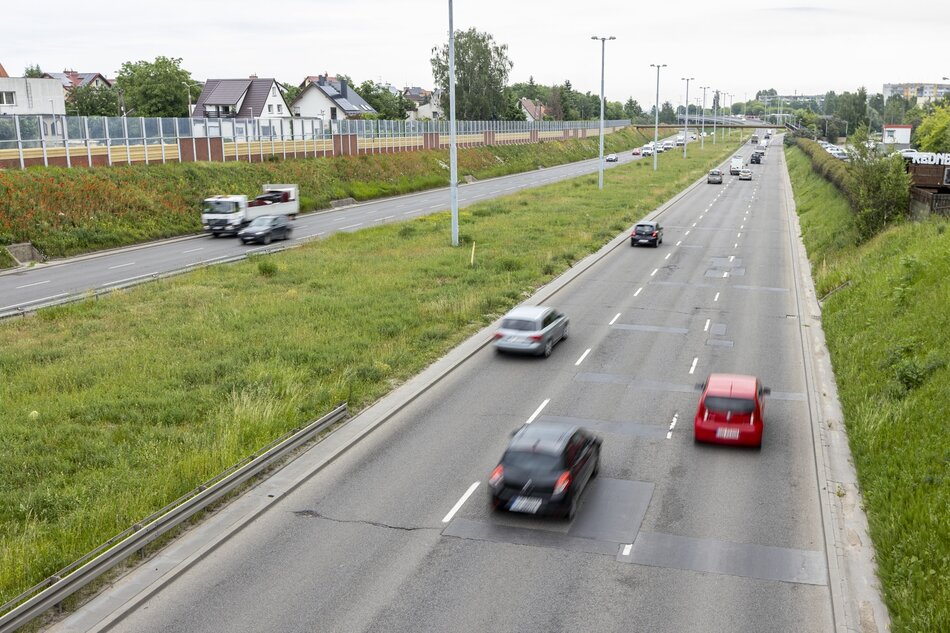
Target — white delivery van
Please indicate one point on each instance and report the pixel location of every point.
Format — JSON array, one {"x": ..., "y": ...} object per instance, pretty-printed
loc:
[{"x": 736, "y": 165}]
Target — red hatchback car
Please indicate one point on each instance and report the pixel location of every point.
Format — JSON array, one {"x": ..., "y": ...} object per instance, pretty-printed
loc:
[{"x": 730, "y": 410}]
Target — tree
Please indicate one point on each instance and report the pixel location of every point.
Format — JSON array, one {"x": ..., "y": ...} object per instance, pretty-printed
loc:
[
  {"x": 554, "y": 105},
  {"x": 667, "y": 115},
  {"x": 513, "y": 111},
  {"x": 632, "y": 109},
  {"x": 771, "y": 92},
  {"x": 33, "y": 72},
  {"x": 879, "y": 185},
  {"x": 291, "y": 91},
  {"x": 895, "y": 108},
  {"x": 92, "y": 101},
  {"x": 394, "y": 107},
  {"x": 481, "y": 74},
  {"x": 933, "y": 134},
  {"x": 154, "y": 89}
]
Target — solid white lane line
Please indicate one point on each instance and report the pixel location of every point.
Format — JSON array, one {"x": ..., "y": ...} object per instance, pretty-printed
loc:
[
  {"x": 458, "y": 504},
  {"x": 351, "y": 226},
  {"x": 655, "y": 271},
  {"x": 408, "y": 212},
  {"x": 538, "y": 410},
  {"x": 692, "y": 367},
  {"x": 614, "y": 320},
  {"x": 706, "y": 329},
  {"x": 26, "y": 303},
  {"x": 122, "y": 281},
  {"x": 716, "y": 298},
  {"x": 435, "y": 206},
  {"x": 627, "y": 548},
  {"x": 680, "y": 242},
  {"x": 667, "y": 255},
  {"x": 193, "y": 250},
  {"x": 637, "y": 292},
  {"x": 36, "y": 283},
  {"x": 583, "y": 356},
  {"x": 121, "y": 265}
]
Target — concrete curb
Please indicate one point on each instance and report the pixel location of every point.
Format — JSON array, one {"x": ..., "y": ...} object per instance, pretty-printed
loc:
[
  {"x": 126, "y": 594},
  {"x": 857, "y": 605}
]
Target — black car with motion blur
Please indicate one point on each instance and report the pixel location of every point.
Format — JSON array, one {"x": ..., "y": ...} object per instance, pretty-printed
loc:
[
  {"x": 266, "y": 228},
  {"x": 647, "y": 234},
  {"x": 545, "y": 468}
]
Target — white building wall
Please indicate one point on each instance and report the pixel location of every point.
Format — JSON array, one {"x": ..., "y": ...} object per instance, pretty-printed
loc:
[
  {"x": 274, "y": 107},
  {"x": 312, "y": 101},
  {"x": 32, "y": 96},
  {"x": 898, "y": 135}
]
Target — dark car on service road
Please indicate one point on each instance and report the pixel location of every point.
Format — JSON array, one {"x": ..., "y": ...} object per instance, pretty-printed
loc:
[
  {"x": 714, "y": 177},
  {"x": 545, "y": 468},
  {"x": 266, "y": 228},
  {"x": 532, "y": 330},
  {"x": 647, "y": 234},
  {"x": 756, "y": 159},
  {"x": 730, "y": 410}
]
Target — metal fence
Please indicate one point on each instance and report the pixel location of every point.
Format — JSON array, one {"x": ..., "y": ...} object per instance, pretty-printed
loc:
[{"x": 91, "y": 141}]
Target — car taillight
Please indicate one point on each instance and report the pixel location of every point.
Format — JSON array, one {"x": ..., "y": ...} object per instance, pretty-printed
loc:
[
  {"x": 499, "y": 335},
  {"x": 497, "y": 476},
  {"x": 654, "y": 234},
  {"x": 562, "y": 482},
  {"x": 535, "y": 337}
]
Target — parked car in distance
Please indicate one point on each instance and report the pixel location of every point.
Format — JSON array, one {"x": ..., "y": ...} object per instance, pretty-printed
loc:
[
  {"x": 730, "y": 410},
  {"x": 611, "y": 158},
  {"x": 647, "y": 233},
  {"x": 745, "y": 174},
  {"x": 544, "y": 469},
  {"x": 266, "y": 228},
  {"x": 714, "y": 177},
  {"x": 531, "y": 330},
  {"x": 756, "y": 159},
  {"x": 909, "y": 152}
]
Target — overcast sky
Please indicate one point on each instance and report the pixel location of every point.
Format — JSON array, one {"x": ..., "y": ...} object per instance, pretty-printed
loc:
[{"x": 793, "y": 46}]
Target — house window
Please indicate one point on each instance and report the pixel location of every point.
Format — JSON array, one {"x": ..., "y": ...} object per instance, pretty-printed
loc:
[
  {"x": 280, "y": 109},
  {"x": 332, "y": 113},
  {"x": 270, "y": 108},
  {"x": 7, "y": 98},
  {"x": 273, "y": 91}
]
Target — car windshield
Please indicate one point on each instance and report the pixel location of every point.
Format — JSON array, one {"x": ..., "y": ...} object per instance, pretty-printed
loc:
[
  {"x": 531, "y": 461},
  {"x": 220, "y": 206},
  {"x": 645, "y": 229},
  {"x": 725, "y": 404},
  {"x": 519, "y": 324}
]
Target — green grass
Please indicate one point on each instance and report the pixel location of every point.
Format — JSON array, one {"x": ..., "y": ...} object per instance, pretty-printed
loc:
[
  {"x": 6, "y": 260},
  {"x": 70, "y": 211},
  {"x": 109, "y": 409},
  {"x": 886, "y": 327}
]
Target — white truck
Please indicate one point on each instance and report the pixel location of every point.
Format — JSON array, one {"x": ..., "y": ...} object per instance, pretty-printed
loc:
[
  {"x": 736, "y": 165},
  {"x": 226, "y": 215}
]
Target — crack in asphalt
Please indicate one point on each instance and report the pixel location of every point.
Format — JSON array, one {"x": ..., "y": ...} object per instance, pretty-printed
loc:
[{"x": 316, "y": 515}]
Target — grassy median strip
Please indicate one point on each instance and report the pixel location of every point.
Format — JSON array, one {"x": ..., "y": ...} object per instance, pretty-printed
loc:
[
  {"x": 109, "y": 409},
  {"x": 886, "y": 319}
]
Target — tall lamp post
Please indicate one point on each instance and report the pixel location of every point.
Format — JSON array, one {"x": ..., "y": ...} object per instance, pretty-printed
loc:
[
  {"x": 188, "y": 91},
  {"x": 686, "y": 120},
  {"x": 656, "y": 112},
  {"x": 715, "y": 113},
  {"x": 603, "y": 45},
  {"x": 702, "y": 137},
  {"x": 453, "y": 154}
]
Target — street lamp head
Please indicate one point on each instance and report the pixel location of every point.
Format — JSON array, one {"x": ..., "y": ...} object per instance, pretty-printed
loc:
[
  {"x": 687, "y": 78},
  {"x": 658, "y": 65},
  {"x": 611, "y": 38}
]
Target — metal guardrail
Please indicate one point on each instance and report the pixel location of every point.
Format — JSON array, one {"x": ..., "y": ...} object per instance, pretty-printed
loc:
[{"x": 51, "y": 592}]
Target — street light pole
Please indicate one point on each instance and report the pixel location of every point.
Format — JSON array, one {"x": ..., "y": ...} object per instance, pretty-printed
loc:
[
  {"x": 453, "y": 154},
  {"x": 686, "y": 120},
  {"x": 603, "y": 45},
  {"x": 702, "y": 137},
  {"x": 656, "y": 112},
  {"x": 188, "y": 90}
]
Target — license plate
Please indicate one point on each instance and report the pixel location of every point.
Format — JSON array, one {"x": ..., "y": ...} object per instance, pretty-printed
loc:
[
  {"x": 644, "y": 241},
  {"x": 725, "y": 433},
  {"x": 514, "y": 339},
  {"x": 529, "y": 505}
]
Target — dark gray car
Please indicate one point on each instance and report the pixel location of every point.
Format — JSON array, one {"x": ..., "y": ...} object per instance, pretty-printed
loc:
[
  {"x": 265, "y": 228},
  {"x": 531, "y": 330}
]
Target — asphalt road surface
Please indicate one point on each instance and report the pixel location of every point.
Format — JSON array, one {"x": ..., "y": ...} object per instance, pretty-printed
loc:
[
  {"x": 30, "y": 288},
  {"x": 396, "y": 535}
]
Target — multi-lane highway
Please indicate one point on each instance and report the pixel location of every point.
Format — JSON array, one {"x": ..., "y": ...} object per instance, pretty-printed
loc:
[
  {"x": 396, "y": 534},
  {"x": 30, "y": 288}
]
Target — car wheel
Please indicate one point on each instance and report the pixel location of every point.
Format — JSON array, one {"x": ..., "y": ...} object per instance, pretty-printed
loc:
[
  {"x": 632, "y": 243},
  {"x": 596, "y": 470},
  {"x": 267, "y": 239},
  {"x": 287, "y": 234},
  {"x": 548, "y": 348},
  {"x": 656, "y": 244},
  {"x": 215, "y": 234}
]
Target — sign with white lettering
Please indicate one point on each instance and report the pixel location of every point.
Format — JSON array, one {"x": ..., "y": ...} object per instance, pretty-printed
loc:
[{"x": 930, "y": 158}]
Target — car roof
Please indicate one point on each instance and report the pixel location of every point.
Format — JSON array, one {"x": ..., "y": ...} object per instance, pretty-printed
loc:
[
  {"x": 527, "y": 312},
  {"x": 542, "y": 437},
  {"x": 736, "y": 385}
]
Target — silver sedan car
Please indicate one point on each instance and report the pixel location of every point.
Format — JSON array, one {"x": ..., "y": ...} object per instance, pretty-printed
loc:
[{"x": 531, "y": 330}]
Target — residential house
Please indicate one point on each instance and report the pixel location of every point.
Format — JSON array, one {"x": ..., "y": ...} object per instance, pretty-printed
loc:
[
  {"x": 533, "y": 110},
  {"x": 427, "y": 103},
  {"x": 28, "y": 96},
  {"x": 251, "y": 98},
  {"x": 897, "y": 134},
  {"x": 71, "y": 79},
  {"x": 324, "y": 98}
]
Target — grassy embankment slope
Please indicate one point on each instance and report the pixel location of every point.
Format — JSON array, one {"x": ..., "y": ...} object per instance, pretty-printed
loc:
[
  {"x": 110, "y": 409},
  {"x": 887, "y": 323},
  {"x": 70, "y": 211}
]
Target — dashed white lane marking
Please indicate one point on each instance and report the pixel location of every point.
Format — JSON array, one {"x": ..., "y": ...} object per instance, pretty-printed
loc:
[
  {"x": 667, "y": 255},
  {"x": 680, "y": 242},
  {"x": 739, "y": 234},
  {"x": 614, "y": 320},
  {"x": 716, "y": 298},
  {"x": 121, "y": 265},
  {"x": 538, "y": 410},
  {"x": 458, "y": 504},
  {"x": 387, "y": 217},
  {"x": 732, "y": 257},
  {"x": 408, "y": 212},
  {"x": 193, "y": 250},
  {"x": 655, "y": 271},
  {"x": 36, "y": 283},
  {"x": 672, "y": 426},
  {"x": 725, "y": 274},
  {"x": 736, "y": 245},
  {"x": 637, "y": 292},
  {"x": 627, "y": 548},
  {"x": 686, "y": 233},
  {"x": 706, "y": 328},
  {"x": 692, "y": 367},
  {"x": 434, "y": 206},
  {"x": 742, "y": 226},
  {"x": 351, "y": 226},
  {"x": 583, "y": 356},
  {"x": 694, "y": 224}
]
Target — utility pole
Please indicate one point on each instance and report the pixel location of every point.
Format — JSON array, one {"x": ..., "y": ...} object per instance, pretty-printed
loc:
[
  {"x": 702, "y": 137},
  {"x": 656, "y": 112},
  {"x": 603, "y": 45},
  {"x": 686, "y": 120},
  {"x": 453, "y": 154}
]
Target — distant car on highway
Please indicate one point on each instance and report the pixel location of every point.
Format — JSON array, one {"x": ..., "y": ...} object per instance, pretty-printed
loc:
[
  {"x": 646, "y": 150},
  {"x": 647, "y": 234},
  {"x": 532, "y": 330},
  {"x": 745, "y": 174},
  {"x": 658, "y": 148},
  {"x": 755, "y": 159},
  {"x": 714, "y": 177},
  {"x": 668, "y": 145},
  {"x": 545, "y": 468},
  {"x": 266, "y": 228},
  {"x": 636, "y": 151},
  {"x": 611, "y": 158},
  {"x": 730, "y": 410}
]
